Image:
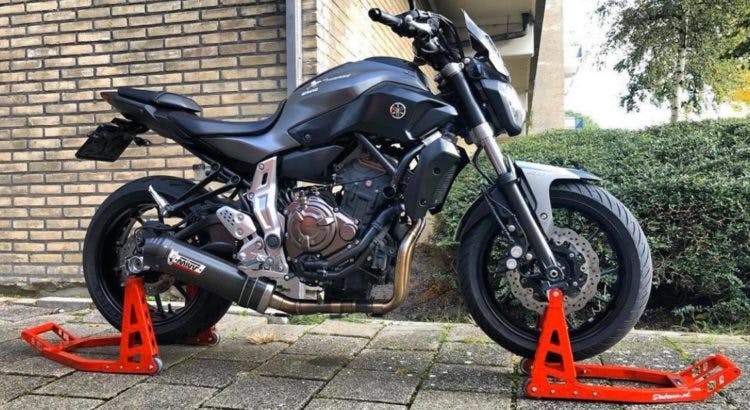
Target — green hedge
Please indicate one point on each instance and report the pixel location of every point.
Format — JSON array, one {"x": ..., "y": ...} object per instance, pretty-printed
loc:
[{"x": 689, "y": 186}]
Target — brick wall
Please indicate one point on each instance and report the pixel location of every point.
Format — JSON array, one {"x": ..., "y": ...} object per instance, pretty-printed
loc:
[
  {"x": 55, "y": 58},
  {"x": 346, "y": 33}
]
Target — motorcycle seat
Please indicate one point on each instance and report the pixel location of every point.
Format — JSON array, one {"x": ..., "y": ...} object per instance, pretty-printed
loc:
[
  {"x": 206, "y": 127},
  {"x": 160, "y": 99}
]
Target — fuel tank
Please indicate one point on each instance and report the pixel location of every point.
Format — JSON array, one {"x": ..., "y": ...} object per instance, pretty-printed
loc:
[
  {"x": 384, "y": 96},
  {"x": 341, "y": 85}
]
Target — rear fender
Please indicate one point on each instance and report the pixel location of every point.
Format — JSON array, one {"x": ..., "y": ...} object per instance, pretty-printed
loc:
[{"x": 537, "y": 178}]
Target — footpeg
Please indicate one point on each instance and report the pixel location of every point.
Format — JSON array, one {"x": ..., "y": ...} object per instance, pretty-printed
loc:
[{"x": 239, "y": 224}]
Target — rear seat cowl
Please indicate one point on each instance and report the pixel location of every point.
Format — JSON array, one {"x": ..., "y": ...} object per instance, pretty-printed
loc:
[{"x": 160, "y": 98}]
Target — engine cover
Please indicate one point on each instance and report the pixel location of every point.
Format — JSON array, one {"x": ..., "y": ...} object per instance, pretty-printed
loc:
[{"x": 312, "y": 225}]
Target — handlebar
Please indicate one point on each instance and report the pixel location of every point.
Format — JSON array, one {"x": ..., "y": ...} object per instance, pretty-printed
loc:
[
  {"x": 382, "y": 17},
  {"x": 424, "y": 28}
]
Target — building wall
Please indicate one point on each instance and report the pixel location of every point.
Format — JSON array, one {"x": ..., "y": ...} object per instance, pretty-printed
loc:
[
  {"x": 346, "y": 33},
  {"x": 56, "y": 56},
  {"x": 548, "y": 107}
]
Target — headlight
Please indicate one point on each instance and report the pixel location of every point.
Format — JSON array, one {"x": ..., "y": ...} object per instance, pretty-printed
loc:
[{"x": 507, "y": 109}]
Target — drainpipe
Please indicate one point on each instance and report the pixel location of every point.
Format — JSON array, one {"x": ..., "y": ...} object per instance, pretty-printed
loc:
[{"x": 293, "y": 44}]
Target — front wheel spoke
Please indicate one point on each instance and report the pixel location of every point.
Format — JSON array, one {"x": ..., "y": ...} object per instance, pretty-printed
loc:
[
  {"x": 611, "y": 270},
  {"x": 602, "y": 299},
  {"x": 591, "y": 236}
]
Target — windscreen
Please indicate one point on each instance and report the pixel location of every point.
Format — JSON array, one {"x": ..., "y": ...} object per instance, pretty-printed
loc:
[{"x": 484, "y": 45}]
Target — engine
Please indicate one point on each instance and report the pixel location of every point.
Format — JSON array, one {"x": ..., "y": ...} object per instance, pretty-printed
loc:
[
  {"x": 321, "y": 221},
  {"x": 314, "y": 225}
]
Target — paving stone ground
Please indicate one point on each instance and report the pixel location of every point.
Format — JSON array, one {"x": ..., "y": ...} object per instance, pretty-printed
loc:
[{"x": 339, "y": 364}]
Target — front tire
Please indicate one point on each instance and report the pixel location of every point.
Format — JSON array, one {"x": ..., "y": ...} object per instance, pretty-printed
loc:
[
  {"x": 104, "y": 281},
  {"x": 633, "y": 276}
]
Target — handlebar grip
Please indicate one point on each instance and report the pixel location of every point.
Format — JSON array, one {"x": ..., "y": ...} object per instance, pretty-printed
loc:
[{"x": 384, "y": 18}]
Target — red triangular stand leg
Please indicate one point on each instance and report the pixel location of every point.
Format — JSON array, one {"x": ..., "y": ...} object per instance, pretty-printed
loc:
[
  {"x": 139, "y": 353},
  {"x": 554, "y": 374}
]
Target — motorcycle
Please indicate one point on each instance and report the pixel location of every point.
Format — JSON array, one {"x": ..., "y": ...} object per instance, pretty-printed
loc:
[{"x": 323, "y": 200}]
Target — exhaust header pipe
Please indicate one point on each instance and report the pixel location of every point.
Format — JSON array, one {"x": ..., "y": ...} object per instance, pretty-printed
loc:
[
  {"x": 400, "y": 287},
  {"x": 194, "y": 266}
]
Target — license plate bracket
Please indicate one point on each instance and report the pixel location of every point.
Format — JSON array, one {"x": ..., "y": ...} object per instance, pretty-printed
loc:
[{"x": 108, "y": 141}]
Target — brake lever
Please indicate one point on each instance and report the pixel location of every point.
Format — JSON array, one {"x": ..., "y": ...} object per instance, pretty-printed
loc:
[{"x": 420, "y": 28}]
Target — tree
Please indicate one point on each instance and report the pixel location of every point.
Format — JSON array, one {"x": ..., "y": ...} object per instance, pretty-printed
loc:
[
  {"x": 742, "y": 50},
  {"x": 678, "y": 52}
]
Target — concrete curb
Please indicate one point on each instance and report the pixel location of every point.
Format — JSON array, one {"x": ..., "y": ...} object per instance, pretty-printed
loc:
[{"x": 73, "y": 304}]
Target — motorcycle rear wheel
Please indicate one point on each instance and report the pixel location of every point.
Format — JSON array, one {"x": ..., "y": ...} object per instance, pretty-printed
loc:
[
  {"x": 514, "y": 326},
  {"x": 201, "y": 309}
]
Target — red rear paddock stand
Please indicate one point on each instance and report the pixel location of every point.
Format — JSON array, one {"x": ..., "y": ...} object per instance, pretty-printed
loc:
[
  {"x": 209, "y": 337},
  {"x": 559, "y": 377},
  {"x": 139, "y": 352}
]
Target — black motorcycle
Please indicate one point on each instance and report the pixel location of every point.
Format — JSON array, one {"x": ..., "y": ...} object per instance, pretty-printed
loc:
[{"x": 307, "y": 210}]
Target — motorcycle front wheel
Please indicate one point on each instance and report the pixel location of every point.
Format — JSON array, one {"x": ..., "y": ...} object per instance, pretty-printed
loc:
[{"x": 593, "y": 235}]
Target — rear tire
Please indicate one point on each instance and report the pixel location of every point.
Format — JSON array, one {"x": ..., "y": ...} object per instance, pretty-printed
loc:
[
  {"x": 635, "y": 276},
  {"x": 205, "y": 310}
]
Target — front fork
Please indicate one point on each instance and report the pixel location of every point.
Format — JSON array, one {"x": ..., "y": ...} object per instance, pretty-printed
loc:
[
  {"x": 482, "y": 134},
  {"x": 508, "y": 183}
]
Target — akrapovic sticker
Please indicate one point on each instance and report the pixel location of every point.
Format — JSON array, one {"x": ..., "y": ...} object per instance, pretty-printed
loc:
[{"x": 184, "y": 263}]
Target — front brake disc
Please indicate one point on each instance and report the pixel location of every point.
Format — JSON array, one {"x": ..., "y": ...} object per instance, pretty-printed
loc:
[{"x": 530, "y": 297}]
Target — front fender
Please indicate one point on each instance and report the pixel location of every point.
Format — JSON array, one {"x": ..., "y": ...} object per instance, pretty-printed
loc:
[{"x": 538, "y": 179}]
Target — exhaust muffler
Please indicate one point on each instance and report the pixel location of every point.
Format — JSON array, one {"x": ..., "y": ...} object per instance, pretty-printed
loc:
[{"x": 194, "y": 266}]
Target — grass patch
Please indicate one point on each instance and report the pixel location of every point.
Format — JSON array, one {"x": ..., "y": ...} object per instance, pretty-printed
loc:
[
  {"x": 315, "y": 319},
  {"x": 677, "y": 348},
  {"x": 355, "y": 318},
  {"x": 475, "y": 340}
]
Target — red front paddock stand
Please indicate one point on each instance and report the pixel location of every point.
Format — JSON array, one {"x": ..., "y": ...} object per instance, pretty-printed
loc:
[
  {"x": 139, "y": 353},
  {"x": 561, "y": 378}
]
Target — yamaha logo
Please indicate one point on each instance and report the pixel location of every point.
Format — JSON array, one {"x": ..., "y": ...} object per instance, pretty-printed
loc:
[{"x": 397, "y": 110}]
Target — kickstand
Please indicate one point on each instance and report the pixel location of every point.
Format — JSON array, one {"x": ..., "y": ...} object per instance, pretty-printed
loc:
[{"x": 554, "y": 374}]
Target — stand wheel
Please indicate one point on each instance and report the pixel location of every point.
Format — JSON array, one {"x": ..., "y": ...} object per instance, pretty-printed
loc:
[
  {"x": 215, "y": 338},
  {"x": 525, "y": 388},
  {"x": 525, "y": 366},
  {"x": 159, "y": 365}
]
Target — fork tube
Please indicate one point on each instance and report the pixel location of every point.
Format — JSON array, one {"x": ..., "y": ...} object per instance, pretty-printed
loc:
[
  {"x": 483, "y": 135},
  {"x": 509, "y": 184}
]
